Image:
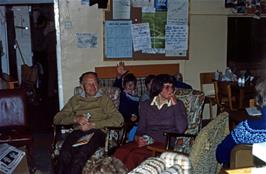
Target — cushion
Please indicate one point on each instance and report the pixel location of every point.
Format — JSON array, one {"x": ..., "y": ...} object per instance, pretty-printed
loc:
[
  {"x": 172, "y": 158},
  {"x": 203, "y": 151},
  {"x": 175, "y": 169},
  {"x": 152, "y": 165}
]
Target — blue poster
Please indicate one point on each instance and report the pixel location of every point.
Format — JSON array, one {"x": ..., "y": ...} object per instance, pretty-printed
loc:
[{"x": 118, "y": 39}]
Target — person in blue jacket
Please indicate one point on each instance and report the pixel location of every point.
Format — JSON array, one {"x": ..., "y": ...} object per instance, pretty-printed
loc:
[
  {"x": 129, "y": 102},
  {"x": 247, "y": 131}
]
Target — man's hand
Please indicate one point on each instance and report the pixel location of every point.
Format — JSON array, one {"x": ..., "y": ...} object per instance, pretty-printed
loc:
[
  {"x": 84, "y": 123},
  {"x": 141, "y": 142},
  {"x": 87, "y": 126},
  {"x": 173, "y": 99}
]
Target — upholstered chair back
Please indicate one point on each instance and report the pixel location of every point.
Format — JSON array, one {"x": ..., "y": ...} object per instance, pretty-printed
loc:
[
  {"x": 141, "y": 88},
  {"x": 12, "y": 108},
  {"x": 203, "y": 151},
  {"x": 14, "y": 127},
  {"x": 193, "y": 101}
]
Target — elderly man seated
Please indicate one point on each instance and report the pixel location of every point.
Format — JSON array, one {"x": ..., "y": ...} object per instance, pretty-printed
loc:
[{"x": 90, "y": 112}]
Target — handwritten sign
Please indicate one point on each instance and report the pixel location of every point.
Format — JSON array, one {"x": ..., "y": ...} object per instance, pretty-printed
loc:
[
  {"x": 176, "y": 37},
  {"x": 141, "y": 36}
]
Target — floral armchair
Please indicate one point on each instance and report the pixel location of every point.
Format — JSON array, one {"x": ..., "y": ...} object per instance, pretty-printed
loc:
[
  {"x": 115, "y": 135},
  {"x": 193, "y": 101},
  {"x": 202, "y": 154}
]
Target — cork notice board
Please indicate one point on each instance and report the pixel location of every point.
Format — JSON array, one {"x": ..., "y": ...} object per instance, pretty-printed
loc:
[{"x": 137, "y": 16}]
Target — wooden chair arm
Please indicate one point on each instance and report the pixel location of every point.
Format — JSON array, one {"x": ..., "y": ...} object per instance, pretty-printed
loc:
[
  {"x": 156, "y": 150},
  {"x": 169, "y": 135},
  {"x": 60, "y": 130},
  {"x": 119, "y": 142},
  {"x": 57, "y": 131}
]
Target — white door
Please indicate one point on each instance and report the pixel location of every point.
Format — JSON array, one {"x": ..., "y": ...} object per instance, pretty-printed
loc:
[{"x": 23, "y": 36}]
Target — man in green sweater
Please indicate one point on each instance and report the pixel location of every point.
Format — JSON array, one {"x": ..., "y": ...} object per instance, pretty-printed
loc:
[{"x": 90, "y": 112}]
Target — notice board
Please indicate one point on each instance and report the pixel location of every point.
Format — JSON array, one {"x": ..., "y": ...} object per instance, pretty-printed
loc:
[{"x": 137, "y": 30}]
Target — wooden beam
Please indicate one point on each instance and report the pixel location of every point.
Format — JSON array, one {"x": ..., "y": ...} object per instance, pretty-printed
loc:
[{"x": 139, "y": 70}]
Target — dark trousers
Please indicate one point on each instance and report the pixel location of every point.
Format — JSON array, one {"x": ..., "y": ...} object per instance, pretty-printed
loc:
[{"x": 73, "y": 159}]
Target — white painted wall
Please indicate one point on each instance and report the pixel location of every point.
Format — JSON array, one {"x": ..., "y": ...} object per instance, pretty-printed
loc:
[{"x": 207, "y": 45}]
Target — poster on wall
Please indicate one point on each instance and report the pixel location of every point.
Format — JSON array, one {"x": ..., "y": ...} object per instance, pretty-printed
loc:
[
  {"x": 118, "y": 39},
  {"x": 86, "y": 40},
  {"x": 157, "y": 22}
]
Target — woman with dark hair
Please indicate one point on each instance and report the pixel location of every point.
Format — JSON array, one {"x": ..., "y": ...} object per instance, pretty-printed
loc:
[
  {"x": 160, "y": 114},
  {"x": 247, "y": 131}
]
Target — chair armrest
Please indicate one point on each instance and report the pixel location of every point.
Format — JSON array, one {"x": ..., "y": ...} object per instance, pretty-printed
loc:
[
  {"x": 58, "y": 130},
  {"x": 169, "y": 135},
  {"x": 121, "y": 139}
]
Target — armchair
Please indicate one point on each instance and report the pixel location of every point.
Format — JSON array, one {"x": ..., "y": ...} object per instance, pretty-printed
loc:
[
  {"x": 193, "y": 101},
  {"x": 114, "y": 138},
  {"x": 202, "y": 154},
  {"x": 14, "y": 128}
]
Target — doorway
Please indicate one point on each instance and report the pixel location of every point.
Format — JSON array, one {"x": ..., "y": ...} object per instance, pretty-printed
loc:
[{"x": 31, "y": 31}]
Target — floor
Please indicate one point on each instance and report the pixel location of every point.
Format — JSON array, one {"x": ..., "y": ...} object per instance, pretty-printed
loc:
[
  {"x": 42, "y": 153},
  {"x": 41, "y": 114}
]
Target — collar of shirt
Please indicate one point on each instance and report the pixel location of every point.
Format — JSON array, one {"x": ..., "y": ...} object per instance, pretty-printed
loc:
[
  {"x": 159, "y": 105},
  {"x": 134, "y": 98},
  {"x": 98, "y": 94}
]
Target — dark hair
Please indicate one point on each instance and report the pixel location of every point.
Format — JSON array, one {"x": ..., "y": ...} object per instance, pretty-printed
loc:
[
  {"x": 148, "y": 79},
  {"x": 158, "y": 83},
  {"x": 87, "y": 73},
  {"x": 129, "y": 78}
]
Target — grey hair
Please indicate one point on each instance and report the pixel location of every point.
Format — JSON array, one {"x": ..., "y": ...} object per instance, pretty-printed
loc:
[{"x": 261, "y": 92}]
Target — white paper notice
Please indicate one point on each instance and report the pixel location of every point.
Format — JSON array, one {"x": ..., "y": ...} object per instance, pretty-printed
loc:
[
  {"x": 177, "y": 13},
  {"x": 173, "y": 53},
  {"x": 141, "y": 36},
  {"x": 142, "y": 3},
  {"x": 176, "y": 37},
  {"x": 118, "y": 39},
  {"x": 121, "y": 9},
  {"x": 87, "y": 40}
]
